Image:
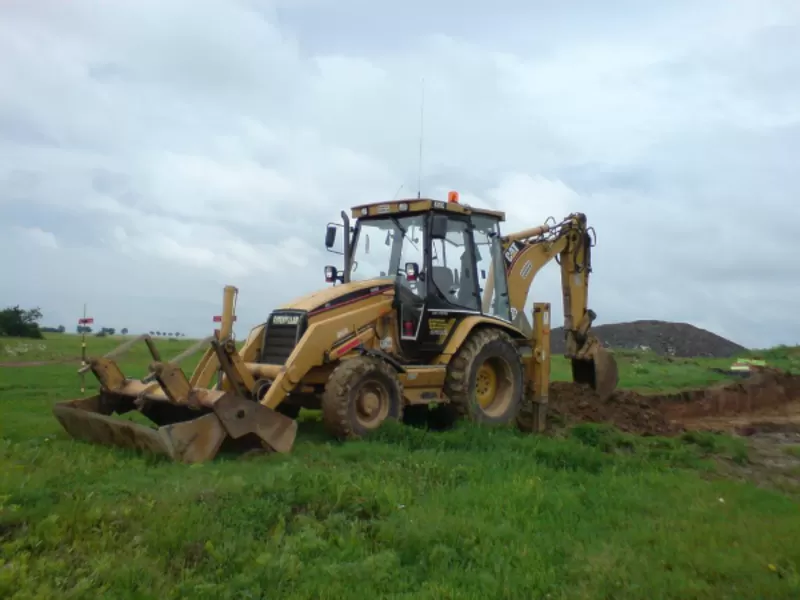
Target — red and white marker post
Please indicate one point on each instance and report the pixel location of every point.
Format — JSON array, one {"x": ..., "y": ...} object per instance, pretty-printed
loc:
[
  {"x": 218, "y": 319},
  {"x": 84, "y": 321}
]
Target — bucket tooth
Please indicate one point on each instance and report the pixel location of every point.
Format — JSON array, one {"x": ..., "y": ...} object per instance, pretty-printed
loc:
[
  {"x": 107, "y": 373},
  {"x": 175, "y": 384},
  {"x": 242, "y": 417},
  {"x": 198, "y": 440}
]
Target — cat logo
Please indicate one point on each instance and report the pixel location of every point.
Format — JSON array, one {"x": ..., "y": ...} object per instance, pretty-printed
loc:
[
  {"x": 511, "y": 252},
  {"x": 285, "y": 319}
]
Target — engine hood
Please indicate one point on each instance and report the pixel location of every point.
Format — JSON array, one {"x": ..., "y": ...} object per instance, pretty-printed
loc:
[{"x": 333, "y": 295}]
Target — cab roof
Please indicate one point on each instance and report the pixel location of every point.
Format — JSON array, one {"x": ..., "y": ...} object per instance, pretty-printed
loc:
[{"x": 421, "y": 205}]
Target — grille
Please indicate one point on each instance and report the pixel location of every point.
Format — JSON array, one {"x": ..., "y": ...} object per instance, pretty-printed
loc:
[{"x": 282, "y": 332}]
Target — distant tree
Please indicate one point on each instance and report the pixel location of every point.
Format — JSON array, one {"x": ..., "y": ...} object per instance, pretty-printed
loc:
[
  {"x": 59, "y": 329},
  {"x": 124, "y": 331},
  {"x": 158, "y": 333},
  {"x": 17, "y": 322},
  {"x": 152, "y": 333},
  {"x": 83, "y": 329}
]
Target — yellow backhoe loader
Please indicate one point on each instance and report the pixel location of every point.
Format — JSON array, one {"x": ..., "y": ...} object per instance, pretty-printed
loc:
[{"x": 427, "y": 311}]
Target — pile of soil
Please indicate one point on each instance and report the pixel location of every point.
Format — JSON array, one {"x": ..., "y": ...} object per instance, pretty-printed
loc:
[
  {"x": 768, "y": 395},
  {"x": 662, "y": 337},
  {"x": 629, "y": 411}
]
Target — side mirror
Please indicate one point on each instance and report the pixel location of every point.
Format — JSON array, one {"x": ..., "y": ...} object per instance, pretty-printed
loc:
[
  {"x": 330, "y": 236},
  {"x": 438, "y": 227},
  {"x": 412, "y": 271},
  {"x": 331, "y": 274}
]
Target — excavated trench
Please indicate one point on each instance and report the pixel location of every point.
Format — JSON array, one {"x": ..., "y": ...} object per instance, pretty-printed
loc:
[{"x": 768, "y": 400}]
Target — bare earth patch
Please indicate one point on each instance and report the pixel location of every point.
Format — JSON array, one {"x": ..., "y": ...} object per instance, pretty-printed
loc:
[
  {"x": 765, "y": 409},
  {"x": 767, "y": 397}
]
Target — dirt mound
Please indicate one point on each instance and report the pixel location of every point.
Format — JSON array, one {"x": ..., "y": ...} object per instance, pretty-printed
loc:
[
  {"x": 627, "y": 410},
  {"x": 662, "y": 337},
  {"x": 766, "y": 396}
]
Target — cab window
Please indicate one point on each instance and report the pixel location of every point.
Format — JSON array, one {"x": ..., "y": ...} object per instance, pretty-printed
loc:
[{"x": 453, "y": 267}]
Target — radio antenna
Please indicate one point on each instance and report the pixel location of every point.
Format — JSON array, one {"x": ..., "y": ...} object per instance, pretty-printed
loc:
[{"x": 421, "y": 133}]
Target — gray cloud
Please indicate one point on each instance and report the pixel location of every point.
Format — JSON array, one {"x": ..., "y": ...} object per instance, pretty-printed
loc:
[{"x": 151, "y": 153}]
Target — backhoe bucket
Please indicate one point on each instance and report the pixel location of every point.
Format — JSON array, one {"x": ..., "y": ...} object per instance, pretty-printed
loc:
[{"x": 599, "y": 370}]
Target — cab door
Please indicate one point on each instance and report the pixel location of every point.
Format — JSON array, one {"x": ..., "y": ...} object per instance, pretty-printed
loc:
[{"x": 450, "y": 279}]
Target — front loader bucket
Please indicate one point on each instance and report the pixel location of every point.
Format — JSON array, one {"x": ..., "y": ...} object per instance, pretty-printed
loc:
[
  {"x": 599, "y": 370},
  {"x": 192, "y": 423},
  {"x": 184, "y": 434},
  {"x": 90, "y": 420}
]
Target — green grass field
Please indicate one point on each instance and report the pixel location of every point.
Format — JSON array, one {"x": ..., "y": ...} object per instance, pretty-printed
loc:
[{"x": 469, "y": 513}]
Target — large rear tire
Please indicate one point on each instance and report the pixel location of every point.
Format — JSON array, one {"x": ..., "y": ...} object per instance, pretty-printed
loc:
[
  {"x": 361, "y": 394},
  {"x": 484, "y": 378}
]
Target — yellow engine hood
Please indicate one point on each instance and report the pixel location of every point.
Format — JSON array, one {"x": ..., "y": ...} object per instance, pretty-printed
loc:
[{"x": 325, "y": 296}]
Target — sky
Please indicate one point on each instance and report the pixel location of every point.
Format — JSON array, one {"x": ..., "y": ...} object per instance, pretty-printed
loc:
[{"x": 153, "y": 152}]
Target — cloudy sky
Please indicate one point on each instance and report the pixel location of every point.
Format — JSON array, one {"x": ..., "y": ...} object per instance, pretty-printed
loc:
[{"x": 151, "y": 152}]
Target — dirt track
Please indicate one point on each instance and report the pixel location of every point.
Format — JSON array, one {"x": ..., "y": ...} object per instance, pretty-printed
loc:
[
  {"x": 39, "y": 363},
  {"x": 768, "y": 399}
]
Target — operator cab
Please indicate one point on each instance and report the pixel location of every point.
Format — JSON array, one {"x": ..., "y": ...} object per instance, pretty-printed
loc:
[{"x": 444, "y": 259}]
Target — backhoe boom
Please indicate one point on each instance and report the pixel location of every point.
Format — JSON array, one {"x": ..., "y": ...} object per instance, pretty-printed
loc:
[{"x": 569, "y": 243}]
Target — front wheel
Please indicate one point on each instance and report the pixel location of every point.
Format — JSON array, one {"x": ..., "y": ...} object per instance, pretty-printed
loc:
[
  {"x": 484, "y": 378},
  {"x": 361, "y": 393}
]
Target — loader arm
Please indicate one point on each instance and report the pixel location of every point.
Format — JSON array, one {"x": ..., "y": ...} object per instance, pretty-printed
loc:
[
  {"x": 319, "y": 345},
  {"x": 569, "y": 243},
  {"x": 209, "y": 364}
]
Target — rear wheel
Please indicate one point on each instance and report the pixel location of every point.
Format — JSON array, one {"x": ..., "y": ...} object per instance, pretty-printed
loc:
[
  {"x": 361, "y": 393},
  {"x": 484, "y": 378}
]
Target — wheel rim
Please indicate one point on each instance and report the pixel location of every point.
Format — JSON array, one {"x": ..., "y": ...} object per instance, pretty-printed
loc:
[
  {"x": 371, "y": 404},
  {"x": 486, "y": 385},
  {"x": 494, "y": 386}
]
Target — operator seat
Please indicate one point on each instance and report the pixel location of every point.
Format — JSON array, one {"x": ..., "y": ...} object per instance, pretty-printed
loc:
[
  {"x": 467, "y": 289},
  {"x": 444, "y": 280}
]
